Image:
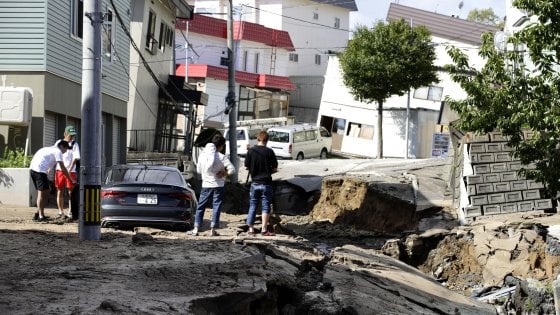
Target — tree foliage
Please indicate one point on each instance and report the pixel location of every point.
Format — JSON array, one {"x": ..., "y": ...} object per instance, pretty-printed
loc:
[
  {"x": 387, "y": 60},
  {"x": 518, "y": 89},
  {"x": 485, "y": 16}
]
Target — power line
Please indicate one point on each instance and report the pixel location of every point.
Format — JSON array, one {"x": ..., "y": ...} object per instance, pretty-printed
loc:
[
  {"x": 128, "y": 74},
  {"x": 147, "y": 65}
]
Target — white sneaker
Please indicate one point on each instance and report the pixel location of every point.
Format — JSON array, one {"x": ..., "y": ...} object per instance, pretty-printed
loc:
[
  {"x": 69, "y": 215},
  {"x": 193, "y": 232}
]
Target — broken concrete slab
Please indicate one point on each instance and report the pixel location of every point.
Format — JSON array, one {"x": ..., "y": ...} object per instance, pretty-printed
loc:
[
  {"x": 367, "y": 282},
  {"x": 307, "y": 183}
]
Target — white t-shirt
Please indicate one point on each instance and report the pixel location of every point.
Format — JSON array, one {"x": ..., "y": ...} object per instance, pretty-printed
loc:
[
  {"x": 45, "y": 159},
  {"x": 210, "y": 163},
  {"x": 67, "y": 157}
]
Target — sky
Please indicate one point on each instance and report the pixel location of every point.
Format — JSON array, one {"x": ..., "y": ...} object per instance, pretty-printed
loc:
[{"x": 370, "y": 11}]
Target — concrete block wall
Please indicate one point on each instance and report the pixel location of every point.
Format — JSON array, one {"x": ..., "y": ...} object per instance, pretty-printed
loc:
[{"x": 492, "y": 184}]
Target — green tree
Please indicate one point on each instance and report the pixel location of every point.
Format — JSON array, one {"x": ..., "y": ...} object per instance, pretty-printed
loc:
[
  {"x": 387, "y": 60},
  {"x": 485, "y": 16},
  {"x": 518, "y": 88}
]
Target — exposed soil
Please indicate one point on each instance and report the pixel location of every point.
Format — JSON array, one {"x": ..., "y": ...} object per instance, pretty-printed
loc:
[{"x": 45, "y": 269}]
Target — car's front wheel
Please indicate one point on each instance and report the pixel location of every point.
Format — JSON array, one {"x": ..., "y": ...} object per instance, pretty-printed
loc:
[
  {"x": 324, "y": 154},
  {"x": 299, "y": 156}
]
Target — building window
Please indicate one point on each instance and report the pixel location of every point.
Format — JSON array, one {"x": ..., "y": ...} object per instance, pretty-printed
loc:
[
  {"x": 257, "y": 62},
  {"x": 224, "y": 61},
  {"x": 77, "y": 18},
  {"x": 151, "y": 41},
  {"x": 317, "y": 59},
  {"x": 315, "y": 15},
  {"x": 170, "y": 36},
  {"x": 361, "y": 131},
  {"x": 163, "y": 36},
  {"x": 430, "y": 93},
  {"x": 108, "y": 37},
  {"x": 293, "y": 57},
  {"x": 245, "y": 60},
  {"x": 336, "y": 22}
]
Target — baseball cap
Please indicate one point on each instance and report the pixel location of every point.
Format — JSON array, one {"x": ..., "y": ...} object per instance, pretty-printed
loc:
[{"x": 70, "y": 130}]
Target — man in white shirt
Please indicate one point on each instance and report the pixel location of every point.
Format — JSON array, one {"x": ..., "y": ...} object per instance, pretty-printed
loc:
[
  {"x": 43, "y": 161},
  {"x": 70, "y": 157},
  {"x": 213, "y": 166}
]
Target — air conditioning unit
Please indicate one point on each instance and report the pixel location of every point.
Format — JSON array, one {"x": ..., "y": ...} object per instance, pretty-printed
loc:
[{"x": 15, "y": 106}]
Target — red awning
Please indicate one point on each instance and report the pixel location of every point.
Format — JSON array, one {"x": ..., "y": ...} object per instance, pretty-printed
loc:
[{"x": 241, "y": 77}]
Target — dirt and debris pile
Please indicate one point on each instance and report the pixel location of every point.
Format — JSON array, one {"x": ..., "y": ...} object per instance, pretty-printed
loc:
[
  {"x": 381, "y": 204},
  {"x": 481, "y": 256}
]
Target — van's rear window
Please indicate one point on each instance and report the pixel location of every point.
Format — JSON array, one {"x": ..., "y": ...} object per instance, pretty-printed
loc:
[{"x": 278, "y": 136}]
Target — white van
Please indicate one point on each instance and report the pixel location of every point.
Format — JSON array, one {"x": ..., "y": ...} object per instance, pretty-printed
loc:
[
  {"x": 299, "y": 141},
  {"x": 246, "y": 138}
]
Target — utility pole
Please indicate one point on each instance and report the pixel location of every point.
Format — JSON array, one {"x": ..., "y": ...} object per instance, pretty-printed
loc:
[
  {"x": 406, "y": 126},
  {"x": 230, "y": 99},
  {"x": 407, "y": 112},
  {"x": 90, "y": 170}
]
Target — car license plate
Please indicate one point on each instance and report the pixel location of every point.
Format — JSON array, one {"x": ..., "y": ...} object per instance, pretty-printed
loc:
[{"x": 147, "y": 199}]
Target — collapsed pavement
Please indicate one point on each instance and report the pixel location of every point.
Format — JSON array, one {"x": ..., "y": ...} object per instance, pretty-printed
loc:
[{"x": 218, "y": 276}]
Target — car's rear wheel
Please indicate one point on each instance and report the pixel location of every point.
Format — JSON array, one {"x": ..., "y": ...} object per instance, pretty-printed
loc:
[
  {"x": 324, "y": 154},
  {"x": 299, "y": 156}
]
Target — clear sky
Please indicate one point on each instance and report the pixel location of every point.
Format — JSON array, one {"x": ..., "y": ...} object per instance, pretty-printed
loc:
[{"x": 369, "y": 11}]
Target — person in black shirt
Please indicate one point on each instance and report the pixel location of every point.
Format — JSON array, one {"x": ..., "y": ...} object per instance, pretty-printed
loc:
[{"x": 261, "y": 163}]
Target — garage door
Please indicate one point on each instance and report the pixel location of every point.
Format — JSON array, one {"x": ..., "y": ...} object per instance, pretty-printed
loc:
[{"x": 49, "y": 129}]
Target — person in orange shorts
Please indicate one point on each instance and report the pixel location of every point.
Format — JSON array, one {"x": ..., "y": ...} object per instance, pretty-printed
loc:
[{"x": 61, "y": 182}]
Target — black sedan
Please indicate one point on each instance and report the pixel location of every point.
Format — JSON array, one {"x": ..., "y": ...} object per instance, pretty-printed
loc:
[{"x": 146, "y": 195}]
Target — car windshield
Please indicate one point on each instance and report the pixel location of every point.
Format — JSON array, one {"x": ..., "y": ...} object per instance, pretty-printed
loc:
[
  {"x": 143, "y": 175},
  {"x": 278, "y": 136}
]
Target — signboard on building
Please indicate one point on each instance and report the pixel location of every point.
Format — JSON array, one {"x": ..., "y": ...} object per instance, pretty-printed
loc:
[{"x": 440, "y": 144}]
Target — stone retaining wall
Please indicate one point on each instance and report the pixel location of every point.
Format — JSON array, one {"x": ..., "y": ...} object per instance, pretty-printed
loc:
[{"x": 490, "y": 179}]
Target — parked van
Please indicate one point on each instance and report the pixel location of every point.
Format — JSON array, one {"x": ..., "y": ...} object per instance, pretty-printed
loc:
[
  {"x": 247, "y": 131},
  {"x": 299, "y": 141},
  {"x": 246, "y": 138}
]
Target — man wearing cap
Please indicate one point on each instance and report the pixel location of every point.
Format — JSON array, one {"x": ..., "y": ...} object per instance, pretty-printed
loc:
[{"x": 71, "y": 159}]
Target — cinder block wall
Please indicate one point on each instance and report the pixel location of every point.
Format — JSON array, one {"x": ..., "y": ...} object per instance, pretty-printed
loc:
[{"x": 490, "y": 181}]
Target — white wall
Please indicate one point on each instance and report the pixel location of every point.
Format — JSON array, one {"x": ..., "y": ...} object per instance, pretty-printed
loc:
[
  {"x": 16, "y": 187},
  {"x": 337, "y": 101},
  {"x": 214, "y": 111},
  {"x": 209, "y": 49},
  {"x": 311, "y": 40},
  {"x": 308, "y": 39}
]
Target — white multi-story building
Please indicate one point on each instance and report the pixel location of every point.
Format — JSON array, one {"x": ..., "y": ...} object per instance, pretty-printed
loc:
[
  {"x": 261, "y": 82},
  {"x": 353, "y": 123},
  {"x": 318, "y": 28}
]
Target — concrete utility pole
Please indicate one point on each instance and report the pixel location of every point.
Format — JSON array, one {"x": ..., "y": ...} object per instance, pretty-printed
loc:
[
  {"x": 230, "y": 99},
  {"x": 406, "y": 130},
  {"x": 90, "y": 170}
]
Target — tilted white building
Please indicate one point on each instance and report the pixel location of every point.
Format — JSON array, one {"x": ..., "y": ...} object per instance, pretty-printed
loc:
[{"x": 353, "y": 123}]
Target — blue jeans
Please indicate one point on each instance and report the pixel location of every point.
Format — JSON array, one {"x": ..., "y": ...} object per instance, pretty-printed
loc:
[
  {"x": 205, "y": 195},
  {"x": 262, "y": 192}
]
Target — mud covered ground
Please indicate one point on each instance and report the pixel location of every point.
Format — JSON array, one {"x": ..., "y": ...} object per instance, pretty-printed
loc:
[{"x": 44, "y": 269}]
